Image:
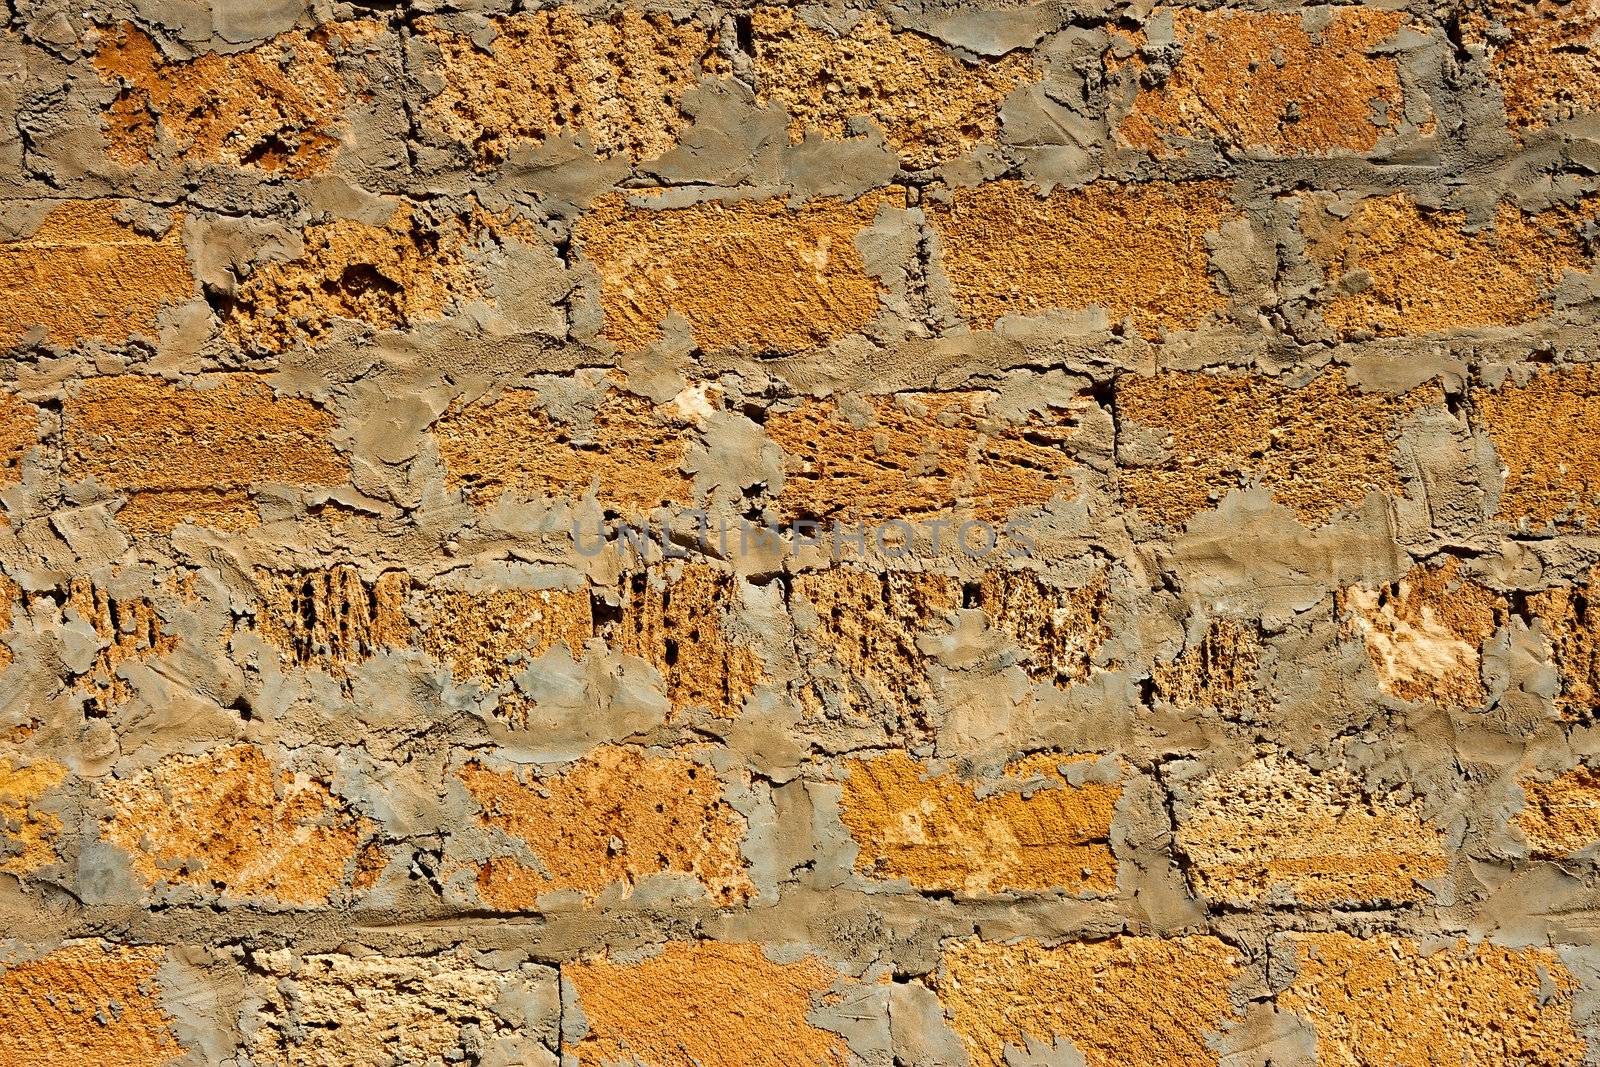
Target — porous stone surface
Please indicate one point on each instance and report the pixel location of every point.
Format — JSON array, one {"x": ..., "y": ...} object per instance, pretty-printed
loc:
[
  {"x": 763, "y": 275},
  {"x": 230, "y": 822},
  {"x": 537, "y": 75},
  {"x": 977, "y": 533},
  {"x": 618, "y": 816},
  {"x": 1562, "y": 816},
  {"x": 1394, "y": 267},
  {"x": 939, "y": 833},
  {"x": 1260, "y": 80},
  {"x": 84, "y": 272},
  {"x": 275, "y": 107},
  {"x": 1156, "y": 1000},
  {"x": 1130, "y": 252},
  {"x": 1276, "y": 832},
  {"x": 1462, "y": 1003},
  {"x": 31, "y": 835},
  {"x": 167, "y": 455},
  {"x": 931, "y": 105},
  {"x": 347, "y": 1009},
  {"x": 1425, "y": 633},
  {"x": 676, "y": 1008},
  {"x": 86, "y": 1000},
  {"x": 1229, "y": 432}
]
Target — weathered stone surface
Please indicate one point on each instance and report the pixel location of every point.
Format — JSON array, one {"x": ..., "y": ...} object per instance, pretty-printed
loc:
[
  {"x": 862, "y": 652},
  {"x": 351, "y": 1011},
  {"x": 1134, "y": 251},
  {"x": 617, "y": 816},
  {"x": 130, "y": 629},
  {"x": 1155, "y": 1000},
  {"x": 1543, "y": 56},
  {"x": 488, "y": 637},
  {"x": 275, "y": 107},
  {"x": 233, "y": 824},
  {"x": 1572, "y": 628},
  {"x": 1319, "y": 448},
  {"x": 1394, "y": 268},
  {"x": 413, "y": 269},
  {"x": 940, "y": 833},
  {"x": 616, "y": 81},
  {"x": 676, "y": 623},
  {"x": 1545, "y": 486},
  {"x": 85, "y": 274},
  {"x": 919, "y": 453},
  {"x": 1561, "y": 816},
  {"x": 86, "y": 1002},
  {"x": 1260, "y": 80},
  {"x": 331, "y": 619},
  {"x": 195, "y": 455},
  {"x": 1057, "y": 630},
  {"x": 1275, "y": 832},
  {"x": 19, "y": 436},
  {"x": 1425, "y": 633},
  {"x": 931, "y": 105},
  {"x": 1384, "y": 1000},
  {"x": 996, "y": 533},
  {"x": 704, "y": 1003},
  {"x": 758, "y": 274},
  {"x": 29, "y": 837},
  {"x": 1219, "y": 672},
  {"x": 631, "y": 454}
]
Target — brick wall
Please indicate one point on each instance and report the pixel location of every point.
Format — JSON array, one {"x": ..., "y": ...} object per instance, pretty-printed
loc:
[{"x": 909, "y": 535}]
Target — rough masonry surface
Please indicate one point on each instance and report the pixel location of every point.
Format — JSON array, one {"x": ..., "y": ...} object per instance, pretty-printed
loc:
[{"x": 903, "y": 533}]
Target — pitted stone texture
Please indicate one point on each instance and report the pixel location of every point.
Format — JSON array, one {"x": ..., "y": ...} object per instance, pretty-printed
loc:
[
  {"x": 1058, "y": 631},
  {"x": 9, "y": 594},
  {"x": 1125, "y": 1000},
  {"x": 617, "y": 816},
  {"x": 757, "y": 274},
  {"x": 19, "y": 436},
  {"x": 1218, "y": 672},
  {"x": 86, "y": 1003},
  {"x": 1276, "y": 833},
  {"x": 1031, "y": 830},
  {"x": 29, "y": 837},
  {"x": 675, "y": 620},
  {"x": 417, "y": 267},
  {"x": 1543, "y": 56},
  {"x": 1386, "y": 1002},
  {"x": 618, "y": 82},
  {"x": 1547, "y": 486},
  {"x": 195, "y": 455},
  {"x": 1260, "y": 80},
  {"x": 331, "y": 619},
  {"x": 1394, "y": 268},
  {"x": 704, "y": 1004},
  {"x": 894, "y": 457},
  {"x": 488, "y": 637},
  {"x": 362, "y": 1011},
  {"x": 631, "y": 454},
  {"x": 1425, "y": 633},
  {"x": 1570, "y": 618},
  {"x": 862, "y": 654},
  {"x": 1134, "y": 251},
  {"x": 274, "y": 107},
  {"x": 931, "y": 105},
  {"x": 84, "y": 275},
  {"x": 130, "y": 630},
  {"x": 1561, "y": 816},
  {"x": 1319, "y": 448},
  {"x": 232, "y": 824}
]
